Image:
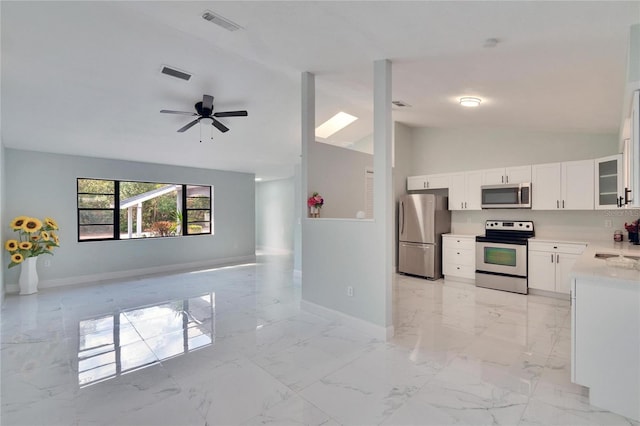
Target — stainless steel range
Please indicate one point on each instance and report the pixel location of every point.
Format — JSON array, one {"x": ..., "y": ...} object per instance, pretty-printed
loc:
[{"x": 501, "y": 255}]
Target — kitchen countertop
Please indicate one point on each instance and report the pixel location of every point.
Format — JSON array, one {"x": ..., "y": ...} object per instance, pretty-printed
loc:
[
  {"x": 460, "y": 235},
  {"x": 589, "y": 266},
  {"x": 555, "y": 240}
]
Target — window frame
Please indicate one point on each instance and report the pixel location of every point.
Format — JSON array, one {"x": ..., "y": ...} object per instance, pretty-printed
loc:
[{"x": 116, "y": 210}]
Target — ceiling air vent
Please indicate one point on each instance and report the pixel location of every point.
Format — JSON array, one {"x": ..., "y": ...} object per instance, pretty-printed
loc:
[
  {"x": 220, "y": 21},
  {"x": 401, "y": 104},
  {"x": 175, "y": 73}
]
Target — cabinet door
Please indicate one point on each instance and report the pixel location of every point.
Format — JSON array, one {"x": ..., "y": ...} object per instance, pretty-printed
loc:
[
  {"x": 545, "y": 187},
  {"x": 564, "y": 263},
  {"x": 457, "y": 192},
  {"x": 521, "y": 174},
  {"x": 416, "y": 182},
  {"x": 473, "y": 182},
  {"x": 542, "y": 270},
  {"x": 493, "y": 176},
  {"x": 577, "y": 185},
  {"x": 438, "y": 181},
  {"x": 608, "y": 182}
]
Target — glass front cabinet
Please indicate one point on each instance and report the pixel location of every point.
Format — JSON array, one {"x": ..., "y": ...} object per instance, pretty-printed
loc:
[{"x": 609, "y": 182}]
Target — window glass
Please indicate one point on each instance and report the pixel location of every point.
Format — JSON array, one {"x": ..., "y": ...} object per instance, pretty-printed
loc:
[{"x": 112, "y": 209}]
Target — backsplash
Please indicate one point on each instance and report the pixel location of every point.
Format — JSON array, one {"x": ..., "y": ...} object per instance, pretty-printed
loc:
[{"x": 587, "y": 226}]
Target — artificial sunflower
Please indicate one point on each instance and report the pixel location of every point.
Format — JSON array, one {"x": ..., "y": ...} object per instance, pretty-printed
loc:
[
  {"x": 31, "y": 225},
  {"x": 51, "y": 223},
  {"x": 25, "y": 245},
  {"x": 36, "y": 237},
  {"x": 18, "y": 222}
]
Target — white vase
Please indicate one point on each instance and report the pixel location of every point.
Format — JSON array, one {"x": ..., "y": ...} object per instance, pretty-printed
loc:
[{"x": 28, "y": 276}]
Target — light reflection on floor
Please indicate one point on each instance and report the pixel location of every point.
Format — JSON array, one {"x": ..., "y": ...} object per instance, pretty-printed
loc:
[{"x": 125, "y": 341}]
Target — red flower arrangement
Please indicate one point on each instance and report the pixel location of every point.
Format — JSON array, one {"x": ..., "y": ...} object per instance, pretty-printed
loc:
[{"x": 315, "y": 200}]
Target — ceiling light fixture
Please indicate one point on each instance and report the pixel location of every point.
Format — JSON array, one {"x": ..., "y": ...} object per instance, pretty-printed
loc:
[
  {"x": 468, "y": 101},
  {"x": 334, "y": 124},
  {"x": 204, "y": 124}
]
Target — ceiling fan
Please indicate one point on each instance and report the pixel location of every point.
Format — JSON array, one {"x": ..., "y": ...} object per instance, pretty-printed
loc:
[{"x": 204, "y": 110}]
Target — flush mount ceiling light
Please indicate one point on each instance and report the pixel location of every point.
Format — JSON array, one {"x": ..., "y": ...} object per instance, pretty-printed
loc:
[
  {"x": 334, "y": 124},
  {"x": 469, "y": 101}
]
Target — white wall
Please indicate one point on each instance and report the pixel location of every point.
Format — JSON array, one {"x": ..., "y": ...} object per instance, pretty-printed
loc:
[
  {"x": 449, "y": 150},
  {"x": 337, "y": 253},
  {"x": 3, "y": 221},
  {"x": 338, "y": 174},
  {"x": 275, "y": 214},
  {"x": 41, "y": 184}
]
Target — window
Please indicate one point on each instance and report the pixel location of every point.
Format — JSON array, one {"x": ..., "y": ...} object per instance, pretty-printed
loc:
[{"x": 117, "y": 210}]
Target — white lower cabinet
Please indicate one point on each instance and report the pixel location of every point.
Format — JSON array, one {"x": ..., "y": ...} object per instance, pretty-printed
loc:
[
  {"x": 550, "y": 264},
  {"x": 459, "y": 256}
]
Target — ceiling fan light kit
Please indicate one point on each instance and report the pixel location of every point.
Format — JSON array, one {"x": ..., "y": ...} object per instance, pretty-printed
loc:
[{"x": 204, "y": 112}]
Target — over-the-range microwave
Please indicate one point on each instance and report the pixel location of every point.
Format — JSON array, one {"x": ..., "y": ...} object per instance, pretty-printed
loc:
[{"x": 506, "y": 196}]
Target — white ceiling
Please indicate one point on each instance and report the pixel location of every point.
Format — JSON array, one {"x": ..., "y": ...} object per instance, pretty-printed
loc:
[{"x": 83, "y": 77}]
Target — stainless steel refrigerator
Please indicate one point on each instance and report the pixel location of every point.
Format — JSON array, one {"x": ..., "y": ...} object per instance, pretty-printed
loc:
[{"x": 422, "y": 219}]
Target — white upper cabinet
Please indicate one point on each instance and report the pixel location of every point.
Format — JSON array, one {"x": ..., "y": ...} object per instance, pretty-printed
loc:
[
  {"x": 436, "y": 181},
  {"x": 464, "y": 191},
  {"x": 609, "y": 182},
  {"x": 577, "y": 185},
  {"x": 545, "y": 186},
  {"x": 499, "y": 176},
  {"x": 416, "y": 182},
  {"x": 568, "y": 185}
]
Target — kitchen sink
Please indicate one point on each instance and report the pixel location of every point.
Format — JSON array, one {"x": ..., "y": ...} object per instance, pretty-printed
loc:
[{"x": 609, "y": 255}]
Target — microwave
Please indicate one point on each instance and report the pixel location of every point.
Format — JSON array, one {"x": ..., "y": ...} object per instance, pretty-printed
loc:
[{"x": 506, "y": 196}]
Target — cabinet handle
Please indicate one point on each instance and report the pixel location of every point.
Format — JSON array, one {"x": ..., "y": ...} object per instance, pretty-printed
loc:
[
  {"x": 458, "y": 253},
  {"x": 507, "y": 177},
  {"x": 424, "y": 185},
  {"x": 465, "y": 204},
  {"x": 557, "y": 258},
  {"x": 502, "y": 179},
  {"x": 563, "y": 204},
  {"x": 551, "y": 258},
  {"x": 427, "y": 184},
  {"x": 627, "y": 200},
  {"x": 557, "y": 204},
  {"x": 461, "y": 205}
]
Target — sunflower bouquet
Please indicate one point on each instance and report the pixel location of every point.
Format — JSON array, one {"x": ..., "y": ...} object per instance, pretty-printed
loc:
[{"x": 35, "y": 237}]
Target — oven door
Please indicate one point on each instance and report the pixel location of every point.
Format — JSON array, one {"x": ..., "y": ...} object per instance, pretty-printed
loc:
[{"x": 509, "y": 258}]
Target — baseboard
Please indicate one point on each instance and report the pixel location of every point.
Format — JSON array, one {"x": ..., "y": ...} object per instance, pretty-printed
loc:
[
  {"x": 131, "y": 273},
  {"x": 369, "y": 328},
  {"x": 546, "y": 293}
]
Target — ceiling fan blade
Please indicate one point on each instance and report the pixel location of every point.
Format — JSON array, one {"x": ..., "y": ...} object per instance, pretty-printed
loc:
[
  {"x": 231, "y": 114},
  {"x": 207, "y": 102},
  {"x": 168, "y": 111},
  {"x": 218, "y": 125},
  {"x": 188, "y": 126}
]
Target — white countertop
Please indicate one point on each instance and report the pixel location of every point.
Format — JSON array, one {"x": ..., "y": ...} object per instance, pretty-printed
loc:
[
  {"x": 551, "y": 240},
  {"x": 589, "y": 266},
  {"x": 459, "y": 235}
]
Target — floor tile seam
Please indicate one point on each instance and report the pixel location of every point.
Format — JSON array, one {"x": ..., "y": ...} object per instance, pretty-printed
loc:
[{"x": 297, "y": 393}]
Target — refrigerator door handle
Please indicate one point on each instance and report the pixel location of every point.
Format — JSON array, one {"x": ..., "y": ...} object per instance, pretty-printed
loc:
[{"x": 402, "y": 218}]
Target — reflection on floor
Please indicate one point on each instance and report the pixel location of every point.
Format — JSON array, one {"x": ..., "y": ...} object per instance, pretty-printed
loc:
[
  {"x": 115, "y": 344},
  {"x": 461, "y": 355}
]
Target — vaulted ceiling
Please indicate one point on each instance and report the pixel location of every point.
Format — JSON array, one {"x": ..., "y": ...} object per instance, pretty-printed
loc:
[{"x": 84, "y": 77}]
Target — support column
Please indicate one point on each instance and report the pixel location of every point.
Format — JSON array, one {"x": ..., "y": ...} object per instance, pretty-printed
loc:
[{"x": 139, "y": 220}]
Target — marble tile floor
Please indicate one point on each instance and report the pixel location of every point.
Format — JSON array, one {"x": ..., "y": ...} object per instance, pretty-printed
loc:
[{"x": 230, "y": 346}]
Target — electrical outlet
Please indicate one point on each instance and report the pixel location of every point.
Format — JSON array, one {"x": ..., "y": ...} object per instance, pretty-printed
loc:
[
  {"x": 350, "y": 291},
  {"x": 47, "y": 262},
  {"x": 608, "y": 223}
]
